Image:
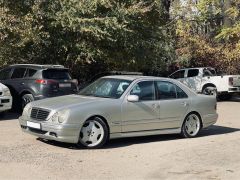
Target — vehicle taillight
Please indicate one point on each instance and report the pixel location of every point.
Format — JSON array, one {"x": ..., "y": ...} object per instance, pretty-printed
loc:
[
  {"x": 44, "y": 81},
  {"x": 230, "y": 81}
]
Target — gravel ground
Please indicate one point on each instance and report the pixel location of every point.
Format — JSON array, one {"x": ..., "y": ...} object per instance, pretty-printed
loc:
[{"x": 212, "y": 155}]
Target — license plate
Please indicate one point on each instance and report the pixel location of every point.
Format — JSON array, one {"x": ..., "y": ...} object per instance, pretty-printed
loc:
[
  {"x": 65, "y": 85},
  {"x": 33, "y": 125}
]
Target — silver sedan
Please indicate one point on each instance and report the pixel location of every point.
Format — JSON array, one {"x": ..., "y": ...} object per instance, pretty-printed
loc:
[{"x": 120, "y": 106}]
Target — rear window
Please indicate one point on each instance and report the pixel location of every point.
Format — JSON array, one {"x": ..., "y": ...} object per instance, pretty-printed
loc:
[{"x": 56, "y": 74}]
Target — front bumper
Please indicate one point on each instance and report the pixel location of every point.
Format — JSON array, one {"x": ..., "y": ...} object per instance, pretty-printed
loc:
[
  {"x": 5, "y": 103},
  {"x": 59, "y": 132}
]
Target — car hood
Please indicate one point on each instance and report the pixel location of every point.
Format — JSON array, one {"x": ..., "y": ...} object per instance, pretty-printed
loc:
[{"x": 63, "y": 102}]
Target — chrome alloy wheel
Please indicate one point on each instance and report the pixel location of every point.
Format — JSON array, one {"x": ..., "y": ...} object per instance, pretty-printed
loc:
[
  {"x": 192, "y": 125},
  {"x": 92, "y": 133}
]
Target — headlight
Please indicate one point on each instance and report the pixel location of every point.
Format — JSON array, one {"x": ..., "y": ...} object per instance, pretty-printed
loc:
[
  {"x": 6, "y": 92},
  {"x": 27, "y": 110},
  {"x": 60, "y": 116}
]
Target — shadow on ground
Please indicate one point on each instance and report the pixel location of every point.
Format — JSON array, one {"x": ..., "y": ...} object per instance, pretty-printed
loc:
[
  {"x": 235, "y": 98},
  {"x": 9, "y": 116},
  {"x": 117, "y": 143}
]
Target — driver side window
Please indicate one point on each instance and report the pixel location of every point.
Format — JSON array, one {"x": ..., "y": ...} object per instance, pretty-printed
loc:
[{"x": 144, "y": 90}]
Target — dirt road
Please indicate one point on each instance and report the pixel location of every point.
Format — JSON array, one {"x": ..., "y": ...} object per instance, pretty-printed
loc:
[{"x": 215, "y": 154}]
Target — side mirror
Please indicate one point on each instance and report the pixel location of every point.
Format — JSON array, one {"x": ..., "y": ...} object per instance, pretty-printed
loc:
[{"x": 133, "y": 98}]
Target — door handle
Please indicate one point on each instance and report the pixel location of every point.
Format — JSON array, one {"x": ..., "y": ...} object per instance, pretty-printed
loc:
[
  {"x": 155, "y": 106},
  {"x": 22, "y": 83},
  {"x": 184, "y": 103}
]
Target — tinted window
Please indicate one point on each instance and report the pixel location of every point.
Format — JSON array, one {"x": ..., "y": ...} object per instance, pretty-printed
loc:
[
  {"x": 57, "y": 74},
  {"x": 106, "y": 87},
  {"x": 166, "y": 90},
  {"x": 18, "y": 73},
  {"x": 181, "y": 93},
  {"x": 192, "y": 72},
  {"x": 178, "y": 74},
  {"x": 209, "y": 72},
  {"x": 31, "y": 72},
  {"x": 5, "y": 74},
  {"x": 145, "y": 90}
]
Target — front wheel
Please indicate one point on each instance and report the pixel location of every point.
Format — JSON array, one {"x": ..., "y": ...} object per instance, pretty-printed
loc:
[
  {"x": 27, "y": 98},
  {"x": 191, "y": 126},
  {"x": 94, "y": 133}
]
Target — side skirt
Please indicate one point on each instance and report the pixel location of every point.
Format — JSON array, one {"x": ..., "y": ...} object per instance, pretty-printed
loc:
[{"x": 145, "y": 133}]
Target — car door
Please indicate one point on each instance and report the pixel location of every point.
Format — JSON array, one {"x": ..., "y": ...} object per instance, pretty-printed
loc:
[
  {"x": 174, "y": 104},
  {"x": 16, "y": 81},
  {"x": 193, "y": 80},
  {"x": 144, "y": 114}
]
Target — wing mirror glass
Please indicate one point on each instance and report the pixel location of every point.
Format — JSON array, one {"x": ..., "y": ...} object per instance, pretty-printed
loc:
[{"x": 133, "y": 98}]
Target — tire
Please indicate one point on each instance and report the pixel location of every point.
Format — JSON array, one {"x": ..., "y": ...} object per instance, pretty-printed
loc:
[
  {"x": 209, "y": 90},
  {"x": 191, "y": 126},
  {"x": 93, "y": 134},
  {"x": 26, "y": 98}
]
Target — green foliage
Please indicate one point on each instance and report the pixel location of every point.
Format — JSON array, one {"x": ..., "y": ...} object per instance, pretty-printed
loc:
[
  {"x": 87, "y": 36},
  {"x": 209, "y": 35}
]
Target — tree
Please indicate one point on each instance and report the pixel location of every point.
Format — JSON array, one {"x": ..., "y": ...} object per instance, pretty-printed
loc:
[
  {"x": 205, "y": 36},
  {"x": 89, "y": 35}
]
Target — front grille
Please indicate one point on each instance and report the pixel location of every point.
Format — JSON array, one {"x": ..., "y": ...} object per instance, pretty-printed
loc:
[{"x": 39, "y": 114}]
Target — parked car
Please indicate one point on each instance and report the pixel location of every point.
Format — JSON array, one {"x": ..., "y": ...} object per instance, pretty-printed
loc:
[
  {"x": 29, "y": 82},
  {"x": 5, "y": 99},
  {"x": 120, "y": 106},
  {"x": 205, "y": 80}
]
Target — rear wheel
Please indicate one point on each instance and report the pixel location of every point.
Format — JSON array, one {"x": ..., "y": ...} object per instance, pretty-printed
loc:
[
  {"x": 210, "y": 90},
  {"x": 191, "y": 126},
  {"x": 94, "y": 133},
  {"x": 27, "y": 98}
]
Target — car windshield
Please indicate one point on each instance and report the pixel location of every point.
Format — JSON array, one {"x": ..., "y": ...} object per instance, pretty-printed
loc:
[{"x": 106, "y": 88}]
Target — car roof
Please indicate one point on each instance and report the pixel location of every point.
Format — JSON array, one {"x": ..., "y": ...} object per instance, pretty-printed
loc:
[
  {"x": 38, "y": 66},
  {"x": 195, "y": 68},
  {"x": 134, "y": 77}
]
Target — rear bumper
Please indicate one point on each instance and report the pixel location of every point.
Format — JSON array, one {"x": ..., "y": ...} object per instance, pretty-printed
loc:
[
  {"x": 209, "y": 120},
  {"x": 59, "y": 132},
  {"x": 5, "y": 103}
]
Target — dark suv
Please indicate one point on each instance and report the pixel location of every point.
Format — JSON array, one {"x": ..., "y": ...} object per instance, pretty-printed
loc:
[{"x": 29, "y": 82}]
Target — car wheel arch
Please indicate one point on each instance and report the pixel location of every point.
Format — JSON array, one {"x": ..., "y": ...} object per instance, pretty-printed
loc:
[
  {"x": 25, "y": 92},
  {"x": 208, "y": 85}
]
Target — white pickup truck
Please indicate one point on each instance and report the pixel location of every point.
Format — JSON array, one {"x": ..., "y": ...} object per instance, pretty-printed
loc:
[
  {"x": 5, "y": 98},
  {"x": 205, "y": 80}
]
